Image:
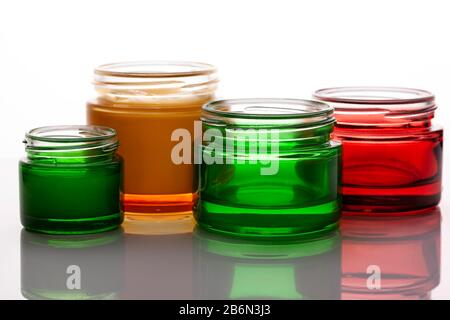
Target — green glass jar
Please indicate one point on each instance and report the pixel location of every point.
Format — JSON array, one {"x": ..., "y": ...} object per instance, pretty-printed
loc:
[
  {"x": 70, "y": 180},
  {"x": 268, "y": 168}
]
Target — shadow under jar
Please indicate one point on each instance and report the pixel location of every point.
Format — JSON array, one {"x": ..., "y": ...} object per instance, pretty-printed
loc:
[
  {"x": 392, "y": 152},
  {"x": 147, "y": 103},
  {"x": 70, "y": 180},
  {"x": 268, "y": 168}
]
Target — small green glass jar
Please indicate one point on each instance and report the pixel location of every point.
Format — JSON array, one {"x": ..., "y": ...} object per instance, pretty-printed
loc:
[
  {"x": 268, "y": 168},
  {"x": 71, "y": 180}
]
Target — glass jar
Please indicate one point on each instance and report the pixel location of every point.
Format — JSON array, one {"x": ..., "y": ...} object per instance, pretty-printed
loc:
[
  {"x": 391, "y": 257},
  {"x": 268, "y": 168},
  {"x": 153, "y": 107},
  {"x": 392, "y": 152},
  {"x": 70, "y": 180}
]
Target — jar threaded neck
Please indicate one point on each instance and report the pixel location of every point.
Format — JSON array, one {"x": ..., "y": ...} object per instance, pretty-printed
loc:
[
  {"x": 379, "y": 106},
  {"x": 149, "y": 81},
  {"x": 70, "y": 142}
]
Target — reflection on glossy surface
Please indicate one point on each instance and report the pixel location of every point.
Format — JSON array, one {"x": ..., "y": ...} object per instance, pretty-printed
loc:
[
  {"x": 396, "y": 257},
  {"x": 158, "y": 266},
  {"x": 160, "y": 224},
  {"x": 378, "y": 257},
  {"x": 71, "y": 267},
  {"x": 230, "y": 268},
  {"x": 158, "y": 258}
]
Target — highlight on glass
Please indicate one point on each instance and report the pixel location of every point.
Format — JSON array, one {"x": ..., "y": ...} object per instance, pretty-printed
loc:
[
  {"x": 70, "y": 180},
  {"x": 269, "y": 168},
  {"x": 145, "y": 102},
  {"x": 392, "y": 149}
]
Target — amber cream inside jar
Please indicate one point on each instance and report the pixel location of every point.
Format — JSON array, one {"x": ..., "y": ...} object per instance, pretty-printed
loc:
[{"x": 146, "y": 102}]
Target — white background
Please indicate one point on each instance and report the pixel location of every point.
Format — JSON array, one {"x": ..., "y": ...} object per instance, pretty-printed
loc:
[{"x": 48, "y": 50}]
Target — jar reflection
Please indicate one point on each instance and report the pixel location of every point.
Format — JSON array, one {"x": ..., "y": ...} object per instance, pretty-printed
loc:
[
  {"x": 392, "y": 257},
  {"x": 230, "y": 268},
  {"x": 71, "y": 267},
  {"x": 158, "y": 266}
]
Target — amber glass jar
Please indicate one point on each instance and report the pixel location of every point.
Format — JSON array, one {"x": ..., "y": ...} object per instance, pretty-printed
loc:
[{"x": 146, "y": 102}]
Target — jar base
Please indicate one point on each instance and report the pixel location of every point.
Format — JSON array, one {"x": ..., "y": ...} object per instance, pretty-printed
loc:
[
  {"x": 388, "y": 204},
  {"x": 72, "y": 226},
  {"x": 267, "y": 223},
  {"x": 139, "y": 206}
]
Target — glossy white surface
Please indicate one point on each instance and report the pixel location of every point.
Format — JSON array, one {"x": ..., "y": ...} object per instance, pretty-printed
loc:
[{"x": 49, "y": 48}]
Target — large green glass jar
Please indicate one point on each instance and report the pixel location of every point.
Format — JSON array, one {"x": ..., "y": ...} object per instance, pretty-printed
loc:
[
  {"x": 268, "y": 168},
  {"x": 71, "y": 180}
]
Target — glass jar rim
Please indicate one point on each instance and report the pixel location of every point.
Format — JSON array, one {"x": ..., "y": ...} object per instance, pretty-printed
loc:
[
  {"x": 378, "y": 95},
  {"x": 268, "y": 108},
  {"x": 155, "y": 69},
  {"x": 70, "y": 133}
]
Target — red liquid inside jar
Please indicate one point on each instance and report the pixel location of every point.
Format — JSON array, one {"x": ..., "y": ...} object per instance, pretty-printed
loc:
[
  {"x": 390, "y": 257},
  {"x": 392, "y": 152}
]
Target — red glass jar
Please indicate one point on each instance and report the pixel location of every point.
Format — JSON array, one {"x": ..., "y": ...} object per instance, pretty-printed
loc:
[
  {"x": 392, "y": 152},
  {"x": 391, "y": 257}
]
